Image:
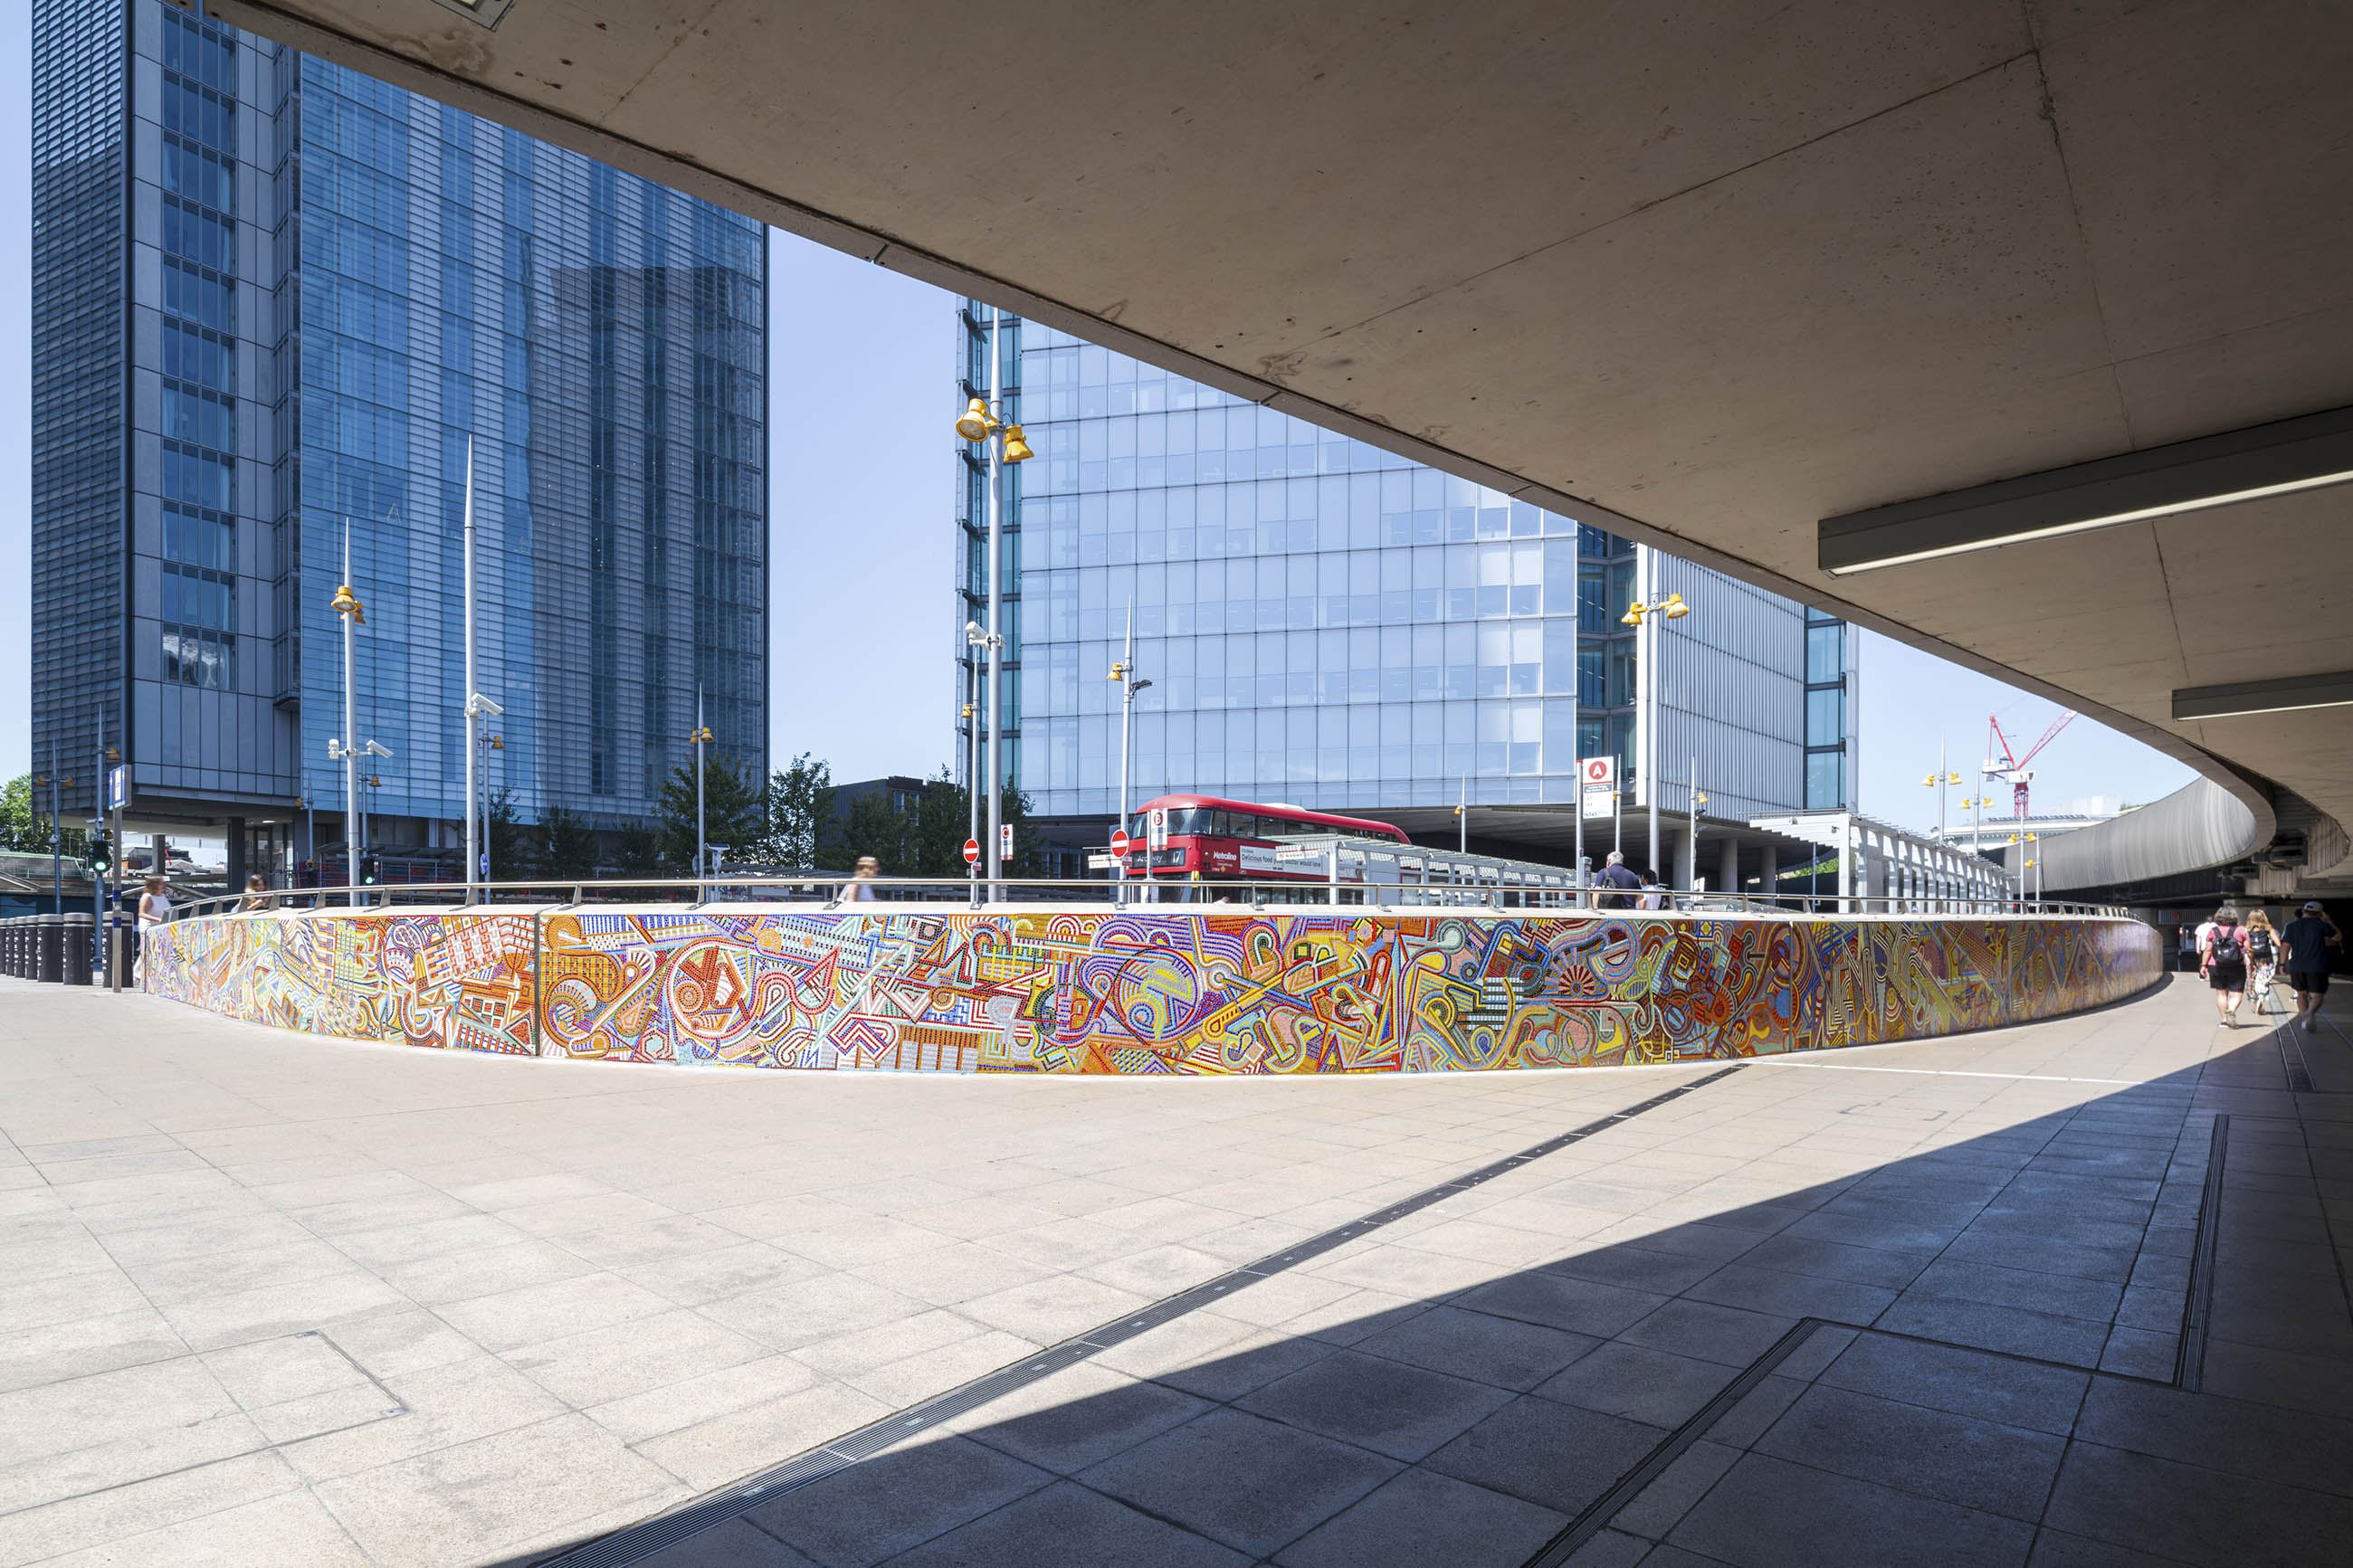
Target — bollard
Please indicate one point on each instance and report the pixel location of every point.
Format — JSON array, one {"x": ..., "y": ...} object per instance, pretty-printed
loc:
[
  {"x": 124, "y": 948},
  {"x": 52, "y": 935},
  {"x": 76, "y": 957}
]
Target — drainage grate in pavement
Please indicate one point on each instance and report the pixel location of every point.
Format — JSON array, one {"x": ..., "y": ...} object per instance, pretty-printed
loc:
[{"x": 641, "y": 1540}]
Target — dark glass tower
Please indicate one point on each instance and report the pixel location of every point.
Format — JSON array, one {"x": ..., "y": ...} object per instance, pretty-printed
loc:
[{"x": 272, "y": 301}]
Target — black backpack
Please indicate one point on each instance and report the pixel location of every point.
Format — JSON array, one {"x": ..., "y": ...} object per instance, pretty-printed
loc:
[{"x": 2225, "y": 947}]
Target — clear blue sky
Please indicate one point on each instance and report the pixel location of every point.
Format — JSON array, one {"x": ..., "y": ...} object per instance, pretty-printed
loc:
[{"x": 861, "y": 490}]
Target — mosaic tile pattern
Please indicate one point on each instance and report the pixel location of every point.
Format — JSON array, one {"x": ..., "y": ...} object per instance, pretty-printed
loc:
[{"x": 1143, "y": 993}]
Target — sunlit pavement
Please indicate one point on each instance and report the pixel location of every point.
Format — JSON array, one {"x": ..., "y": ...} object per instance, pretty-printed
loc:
[{"x": 272, "y": 1299}]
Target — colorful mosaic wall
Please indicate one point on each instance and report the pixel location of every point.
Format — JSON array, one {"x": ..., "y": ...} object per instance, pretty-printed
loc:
[{"x": 1143, "y": 993}]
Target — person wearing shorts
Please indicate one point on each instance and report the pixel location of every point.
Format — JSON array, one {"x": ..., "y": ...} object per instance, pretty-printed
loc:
[
  {"x": 2307, "y": 939},
  {"x": 2226, "y": 966},
  {"x": 2262, "y": 960}
]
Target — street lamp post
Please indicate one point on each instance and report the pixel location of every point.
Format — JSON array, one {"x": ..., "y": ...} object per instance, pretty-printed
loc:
[
  {"x": 345, "y": 748},
  {"x": 1697, "y": 800},
  {"x": 976, "y": 641},
  {"x": 1124, "y": 671},
  {"x": 701, "y": 738},
  {"x": 478, "y": 708},
  {"x": 1643, "y": 614},
  {"x": 984, "y": 421}
]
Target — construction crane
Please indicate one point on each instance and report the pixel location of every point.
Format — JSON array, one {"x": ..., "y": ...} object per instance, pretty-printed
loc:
[{"x": 2010, "y": 767}]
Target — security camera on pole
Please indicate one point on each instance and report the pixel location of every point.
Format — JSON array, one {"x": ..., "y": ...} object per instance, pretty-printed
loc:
[
  {"x": 478, "y": 708},
  {"x": 984, "y": 421}
]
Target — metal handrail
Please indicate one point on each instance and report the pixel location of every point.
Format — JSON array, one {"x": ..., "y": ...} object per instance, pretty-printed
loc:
[{"x": 831, "y": 893}]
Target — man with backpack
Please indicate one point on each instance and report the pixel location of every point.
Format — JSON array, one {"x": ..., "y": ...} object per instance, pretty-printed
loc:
[{"x": 1622, "y": 881}]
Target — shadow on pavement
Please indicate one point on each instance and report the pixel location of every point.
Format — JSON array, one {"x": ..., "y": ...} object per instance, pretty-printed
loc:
[{"x": 1967, "y": 1356}]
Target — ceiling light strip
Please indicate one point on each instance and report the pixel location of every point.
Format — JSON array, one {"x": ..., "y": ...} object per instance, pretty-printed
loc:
[
  {"x": 2264, "y": 461},
  {"x": 2287, "y": 695}
]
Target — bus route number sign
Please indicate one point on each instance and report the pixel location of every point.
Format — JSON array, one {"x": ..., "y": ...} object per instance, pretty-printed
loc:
[
  {"x": 1156, "y": 827},
  {"x": 1597, "y": 772}
]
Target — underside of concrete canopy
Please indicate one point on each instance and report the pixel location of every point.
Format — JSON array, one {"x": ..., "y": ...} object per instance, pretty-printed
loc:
[{"x": 1706, "y": 273}]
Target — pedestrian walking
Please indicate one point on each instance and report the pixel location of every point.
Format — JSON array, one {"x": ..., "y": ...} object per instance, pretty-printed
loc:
[
  {"x": 155, "y": 908},
  {"x": 2226, "y": 966},
  {"x": 1621, "y": 879},
  {"x": 2262, "y": 960},
  {"x": 1654, "y": 892},
  {"x": 862, "y": 883},
  {"x": 2307, "y": 940},
  {"x": 256, "y": 896}
]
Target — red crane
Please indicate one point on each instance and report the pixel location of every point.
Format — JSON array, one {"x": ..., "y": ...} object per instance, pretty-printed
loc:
[{"x": 2011, "y": 767}]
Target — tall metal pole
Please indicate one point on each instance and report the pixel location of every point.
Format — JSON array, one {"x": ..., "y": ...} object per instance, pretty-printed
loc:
[
  {"x": 701, "y": 855},
  {"x": 98, "y": 873},
  {"x": 1691, "y": 881},
  {"x": 1650, "y": 656},
  {"x": 996, "y": 446},
  {"x": 1462, "y": 820},
  {"x": 351, "y": 741},
  {"x": 1126, "y": 674},
  {"x": 56, "y": 833},
  {"x": 972, "y": 763},
  {"x": 475, "y": 826}
]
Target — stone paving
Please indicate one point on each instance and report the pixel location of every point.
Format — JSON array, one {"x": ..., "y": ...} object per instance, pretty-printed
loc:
[{"x": 272, "y": 1299}]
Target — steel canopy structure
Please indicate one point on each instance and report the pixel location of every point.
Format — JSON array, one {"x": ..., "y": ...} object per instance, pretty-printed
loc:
[{"x": 1704, "y": 274}]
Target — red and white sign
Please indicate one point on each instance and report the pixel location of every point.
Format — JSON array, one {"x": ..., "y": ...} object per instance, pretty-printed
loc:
[
  {"x": 1119, "y": 843},
  {"x": 1598, "y": 772},
  {"x": 1156, "y": 827},
  {"x": 972, "y": 851},
  {"x": 1005, "y": 841}
]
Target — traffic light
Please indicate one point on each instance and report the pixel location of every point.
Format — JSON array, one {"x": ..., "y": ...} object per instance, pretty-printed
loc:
[
  {"x": 371, "y": 870},
  {"x": 98, "y": 852}
]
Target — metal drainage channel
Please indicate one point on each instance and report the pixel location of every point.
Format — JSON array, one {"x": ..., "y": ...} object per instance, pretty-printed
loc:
[{"x": 641, "y": 1540}]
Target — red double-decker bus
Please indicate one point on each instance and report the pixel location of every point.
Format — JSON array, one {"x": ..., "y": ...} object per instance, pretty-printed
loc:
[{"x": 1211, "y": 837}]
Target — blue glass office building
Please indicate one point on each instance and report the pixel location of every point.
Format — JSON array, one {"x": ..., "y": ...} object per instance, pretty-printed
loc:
[
  {"x": 272, "y": 301},
  {"x": 1330, "y": 625}
]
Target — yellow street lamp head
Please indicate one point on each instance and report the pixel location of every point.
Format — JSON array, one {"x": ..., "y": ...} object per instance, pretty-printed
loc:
[
  {"x": 346, "y": 602},
  {"x": 1634, "y": 613},
  {"x": 1674, "y": 607},
  {"x": 1952, "y": 778},
  {"x": 975, "y": 425},
  {"x": 1017, "y": 449}
]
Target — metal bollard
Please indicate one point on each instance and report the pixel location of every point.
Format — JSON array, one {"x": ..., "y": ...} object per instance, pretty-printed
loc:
[
  {"x": 76, "y": 957},
  {"x": 52, "y": 936}
]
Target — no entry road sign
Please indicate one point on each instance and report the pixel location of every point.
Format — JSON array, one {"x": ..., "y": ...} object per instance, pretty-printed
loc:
[
  {"x": 1118, "y": 842},
  {"x": 972, "y": 851}
]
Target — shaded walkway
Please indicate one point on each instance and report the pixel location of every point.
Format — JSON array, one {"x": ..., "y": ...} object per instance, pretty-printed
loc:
[{"x": 594, "y": 1293}]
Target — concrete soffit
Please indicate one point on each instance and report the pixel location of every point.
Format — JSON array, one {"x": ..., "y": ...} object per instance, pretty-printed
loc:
[{"x": 679, "y": 171}]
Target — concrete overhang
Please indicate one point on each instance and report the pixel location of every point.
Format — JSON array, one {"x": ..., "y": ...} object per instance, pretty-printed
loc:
[{"x": 1706, "y": 273}]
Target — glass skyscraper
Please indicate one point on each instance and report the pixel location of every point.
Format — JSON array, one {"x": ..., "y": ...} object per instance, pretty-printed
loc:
[
  {"x": 1335, "y": 627},
  {"x": 273, "y": 300}
]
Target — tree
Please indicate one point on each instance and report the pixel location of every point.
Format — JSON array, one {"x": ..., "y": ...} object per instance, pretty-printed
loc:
[
  {"x": 800, "y": 810},
  {"x": 733, "y": 812},
  {"x": 636, "y": 851},
  {"x": 941, "y": 822},
  {"x": 22, "y": 825},
  {"x": 503, "y": 839},
  {"x": 873, "y": 826},
  {"x": 571, "y": 843}
]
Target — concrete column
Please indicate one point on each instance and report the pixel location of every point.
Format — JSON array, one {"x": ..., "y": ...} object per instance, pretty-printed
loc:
[
  {"x": 1769, "y": 873},
  {"x": 160, "y": 866},
  {"x": 236, "y": 854},
  {"x": 1727, "y": 865}
]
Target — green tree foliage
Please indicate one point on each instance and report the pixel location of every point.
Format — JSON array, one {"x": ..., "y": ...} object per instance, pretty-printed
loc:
[
  {"x": 637, "y": 849},
  {"x": 734, "y": 812},
  {"x": 872, "y": 825},
  {"x": 570, "y": 847},
  {"x": 927, "y": 840},
  {"x": 22, "y": 825},
  {"x": 801, "y": 815},
  {"x": 510, "y": 850}
]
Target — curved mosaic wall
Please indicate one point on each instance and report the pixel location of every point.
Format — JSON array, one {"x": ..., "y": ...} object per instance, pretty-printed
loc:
[{"x": 1141, "y": 994}]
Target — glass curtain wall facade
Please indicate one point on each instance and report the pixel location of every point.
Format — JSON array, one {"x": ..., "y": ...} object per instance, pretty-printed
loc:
[
  {"x": 1328, "y": 624},
  {"x": 321, "y": 287}
]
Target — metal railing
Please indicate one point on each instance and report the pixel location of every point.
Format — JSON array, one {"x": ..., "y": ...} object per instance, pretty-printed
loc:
[{"x": 848, "y": 894}]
